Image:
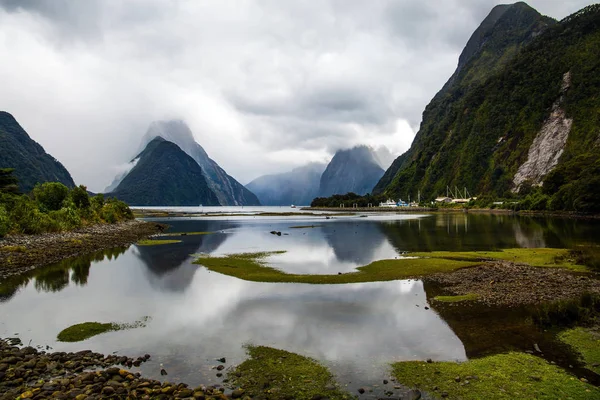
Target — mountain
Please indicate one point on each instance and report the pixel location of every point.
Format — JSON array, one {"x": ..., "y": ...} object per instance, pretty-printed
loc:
[
  {"x": 165, "y": 175},
  {"x": 354, "y": 170},
  {"x": 31, "y": 162},
  {"x": 299, "y": 186},
  {"x": 521, "y": 110},
  {"x": 229, "y": 191}
]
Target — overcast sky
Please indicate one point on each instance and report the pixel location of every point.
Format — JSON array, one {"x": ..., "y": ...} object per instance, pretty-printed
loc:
[{"x": 264, "y": 85}]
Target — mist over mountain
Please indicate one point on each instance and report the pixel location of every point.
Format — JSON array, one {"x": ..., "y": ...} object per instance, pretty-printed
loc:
[
  {"x": 165, "y": 175},
  {"x": 228, "y": 191}
]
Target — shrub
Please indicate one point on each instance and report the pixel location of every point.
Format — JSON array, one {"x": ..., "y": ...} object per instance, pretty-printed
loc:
[
  {"x": 66, "y": 218},
  {"x": 4, "y": 221},
  {"x": 50, "y": 195},
  {"x": 80, "y": 197},
  {"x": 27, "y": 218}
]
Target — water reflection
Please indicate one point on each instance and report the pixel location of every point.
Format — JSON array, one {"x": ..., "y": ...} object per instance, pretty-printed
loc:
[
  {"x": 198, "y": 315},
  {"x": 55, "y": 277}
]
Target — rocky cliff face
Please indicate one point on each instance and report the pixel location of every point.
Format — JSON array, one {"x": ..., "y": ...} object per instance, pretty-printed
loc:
[
  {"x": 522, "y": 103},
  {"x": 31, "y": 162},
  {"x": 229, "y": 191},
  {"x": 549, "y": 143},
  {"x": 355, "y": 170},
  {"x": 299, "y": 186}
]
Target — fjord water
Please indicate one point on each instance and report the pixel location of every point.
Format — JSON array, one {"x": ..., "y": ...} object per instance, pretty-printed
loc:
[{"x": 197, "y": 316}]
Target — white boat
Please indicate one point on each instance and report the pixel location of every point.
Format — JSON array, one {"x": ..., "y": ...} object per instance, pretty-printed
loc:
[
  {"x": 388, "y": 203},
  {"x": 293, "y": 206}
]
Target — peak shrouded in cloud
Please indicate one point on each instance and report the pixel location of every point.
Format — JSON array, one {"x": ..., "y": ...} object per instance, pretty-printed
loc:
[{"x": 264, "y": 86}]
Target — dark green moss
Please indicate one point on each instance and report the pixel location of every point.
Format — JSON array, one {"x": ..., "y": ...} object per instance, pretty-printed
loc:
[
  {"x": 85, "y": 330},
  {"x": 278, "y": 374}
]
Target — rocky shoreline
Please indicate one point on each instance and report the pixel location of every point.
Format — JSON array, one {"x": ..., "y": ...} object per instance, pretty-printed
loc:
[
  {"x": 505, "y": 283},
  {"x": 27, "y": 373},
  {"x": 22, "y": 253}
]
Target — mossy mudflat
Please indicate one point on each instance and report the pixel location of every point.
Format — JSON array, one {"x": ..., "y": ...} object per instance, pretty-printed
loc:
[
  {"x": 252, "y": 267},
  {"x": 279, "y": 374},
  {"x": 503, "y": 376},
  {"x": 536, "y": 257},
  {"x": 586, "y": 342},
  {"x": 151, "y": 242},
  {"x": 456, "y": 299},
  {"x": 86, "y": 330}
]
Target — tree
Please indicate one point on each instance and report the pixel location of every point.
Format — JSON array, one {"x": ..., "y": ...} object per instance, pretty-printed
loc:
[
  {"x": 80, "y": 197},
  {"x": 50, "y": 195},
  {"x": 8, "y": 182}
]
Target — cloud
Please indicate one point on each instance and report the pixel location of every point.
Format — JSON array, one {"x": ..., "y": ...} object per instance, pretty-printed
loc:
[{"x": 264, "y": 85}]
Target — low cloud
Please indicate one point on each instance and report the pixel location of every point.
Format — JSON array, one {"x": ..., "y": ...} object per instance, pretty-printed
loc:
[{"x": 265, "y": 85}]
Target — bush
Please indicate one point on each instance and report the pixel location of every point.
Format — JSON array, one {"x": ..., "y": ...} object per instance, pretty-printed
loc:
[
  {"x": 80, "y": 197},
  {"x": 50, "y": 195},
  {"x": 66, "y": 218},
  {"x": 115, "y": 210},
  {"x": 4, "y": 221},
  {"x": 27, "y": 218}
]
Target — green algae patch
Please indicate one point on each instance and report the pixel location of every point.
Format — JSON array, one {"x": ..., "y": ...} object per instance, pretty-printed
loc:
[
  {"x": 278, "y": 374},
  {"x": 151, "y": 242},
  {"x": 86, "y": 330},
  {"x": 586, "y": 341},
  {"x": 168, "y": 234},
  {"x": 456, "y": 299},
  {"x": 536, "y": 257},
  {"x": 503, "y": 376},
  {"x": 253, "y": 267}
]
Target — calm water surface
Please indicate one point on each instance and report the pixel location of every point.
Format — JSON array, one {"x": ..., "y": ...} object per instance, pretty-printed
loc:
[{"x": 198, "y": 316}]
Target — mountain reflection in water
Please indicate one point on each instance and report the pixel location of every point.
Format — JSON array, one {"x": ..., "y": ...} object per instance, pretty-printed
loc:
[{"x": 198, "y": 315}]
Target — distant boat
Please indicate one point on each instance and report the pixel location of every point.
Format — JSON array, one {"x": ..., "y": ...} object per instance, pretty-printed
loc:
[
  {"x": 388, "y": 203},
  {"x": 293, "y": 206}
]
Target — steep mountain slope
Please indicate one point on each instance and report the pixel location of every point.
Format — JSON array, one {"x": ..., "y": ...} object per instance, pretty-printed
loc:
[
  {"x": 229, "y": 191},
  {"x": 531, "y": 120},
  {"x": 355, "y": 170},
  {"x": 165, "y": 175},
  {"x": 495, "y": 43},
  {"x": 299, "y": 186},
  {"x": 31, "y": 163}
]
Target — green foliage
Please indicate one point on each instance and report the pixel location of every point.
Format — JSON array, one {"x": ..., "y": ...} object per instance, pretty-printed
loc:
[
  {"x": 568, "y": 313},
  {"x": 115, "y": 210},
  {"x": 80, "y": 197},
  {"x": 4, "y": 221},
  {"x": 50, "y": 195},
  {"x": 477, "y": 132},
  {"x": 8, "y": 182},
  {"x": 348, "y": 200},
  {"x": 52, "y": 207}
]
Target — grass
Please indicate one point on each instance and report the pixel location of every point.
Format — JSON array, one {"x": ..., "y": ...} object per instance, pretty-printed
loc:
[
  {"x": 540, "y": 257},
  {"x": 252, "y": 267},
  {"x": 456, "y": 299},
  {"x": 86, "y": 330},
  {"x": 14, "y": 249},
  {"x": 185, "y": 233},
  {"x": 151, "y": 242},
  {"x": 586, "y": 341},
  {"x": 278, "y": 374},
  {"x": 503, "y": 376}
]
